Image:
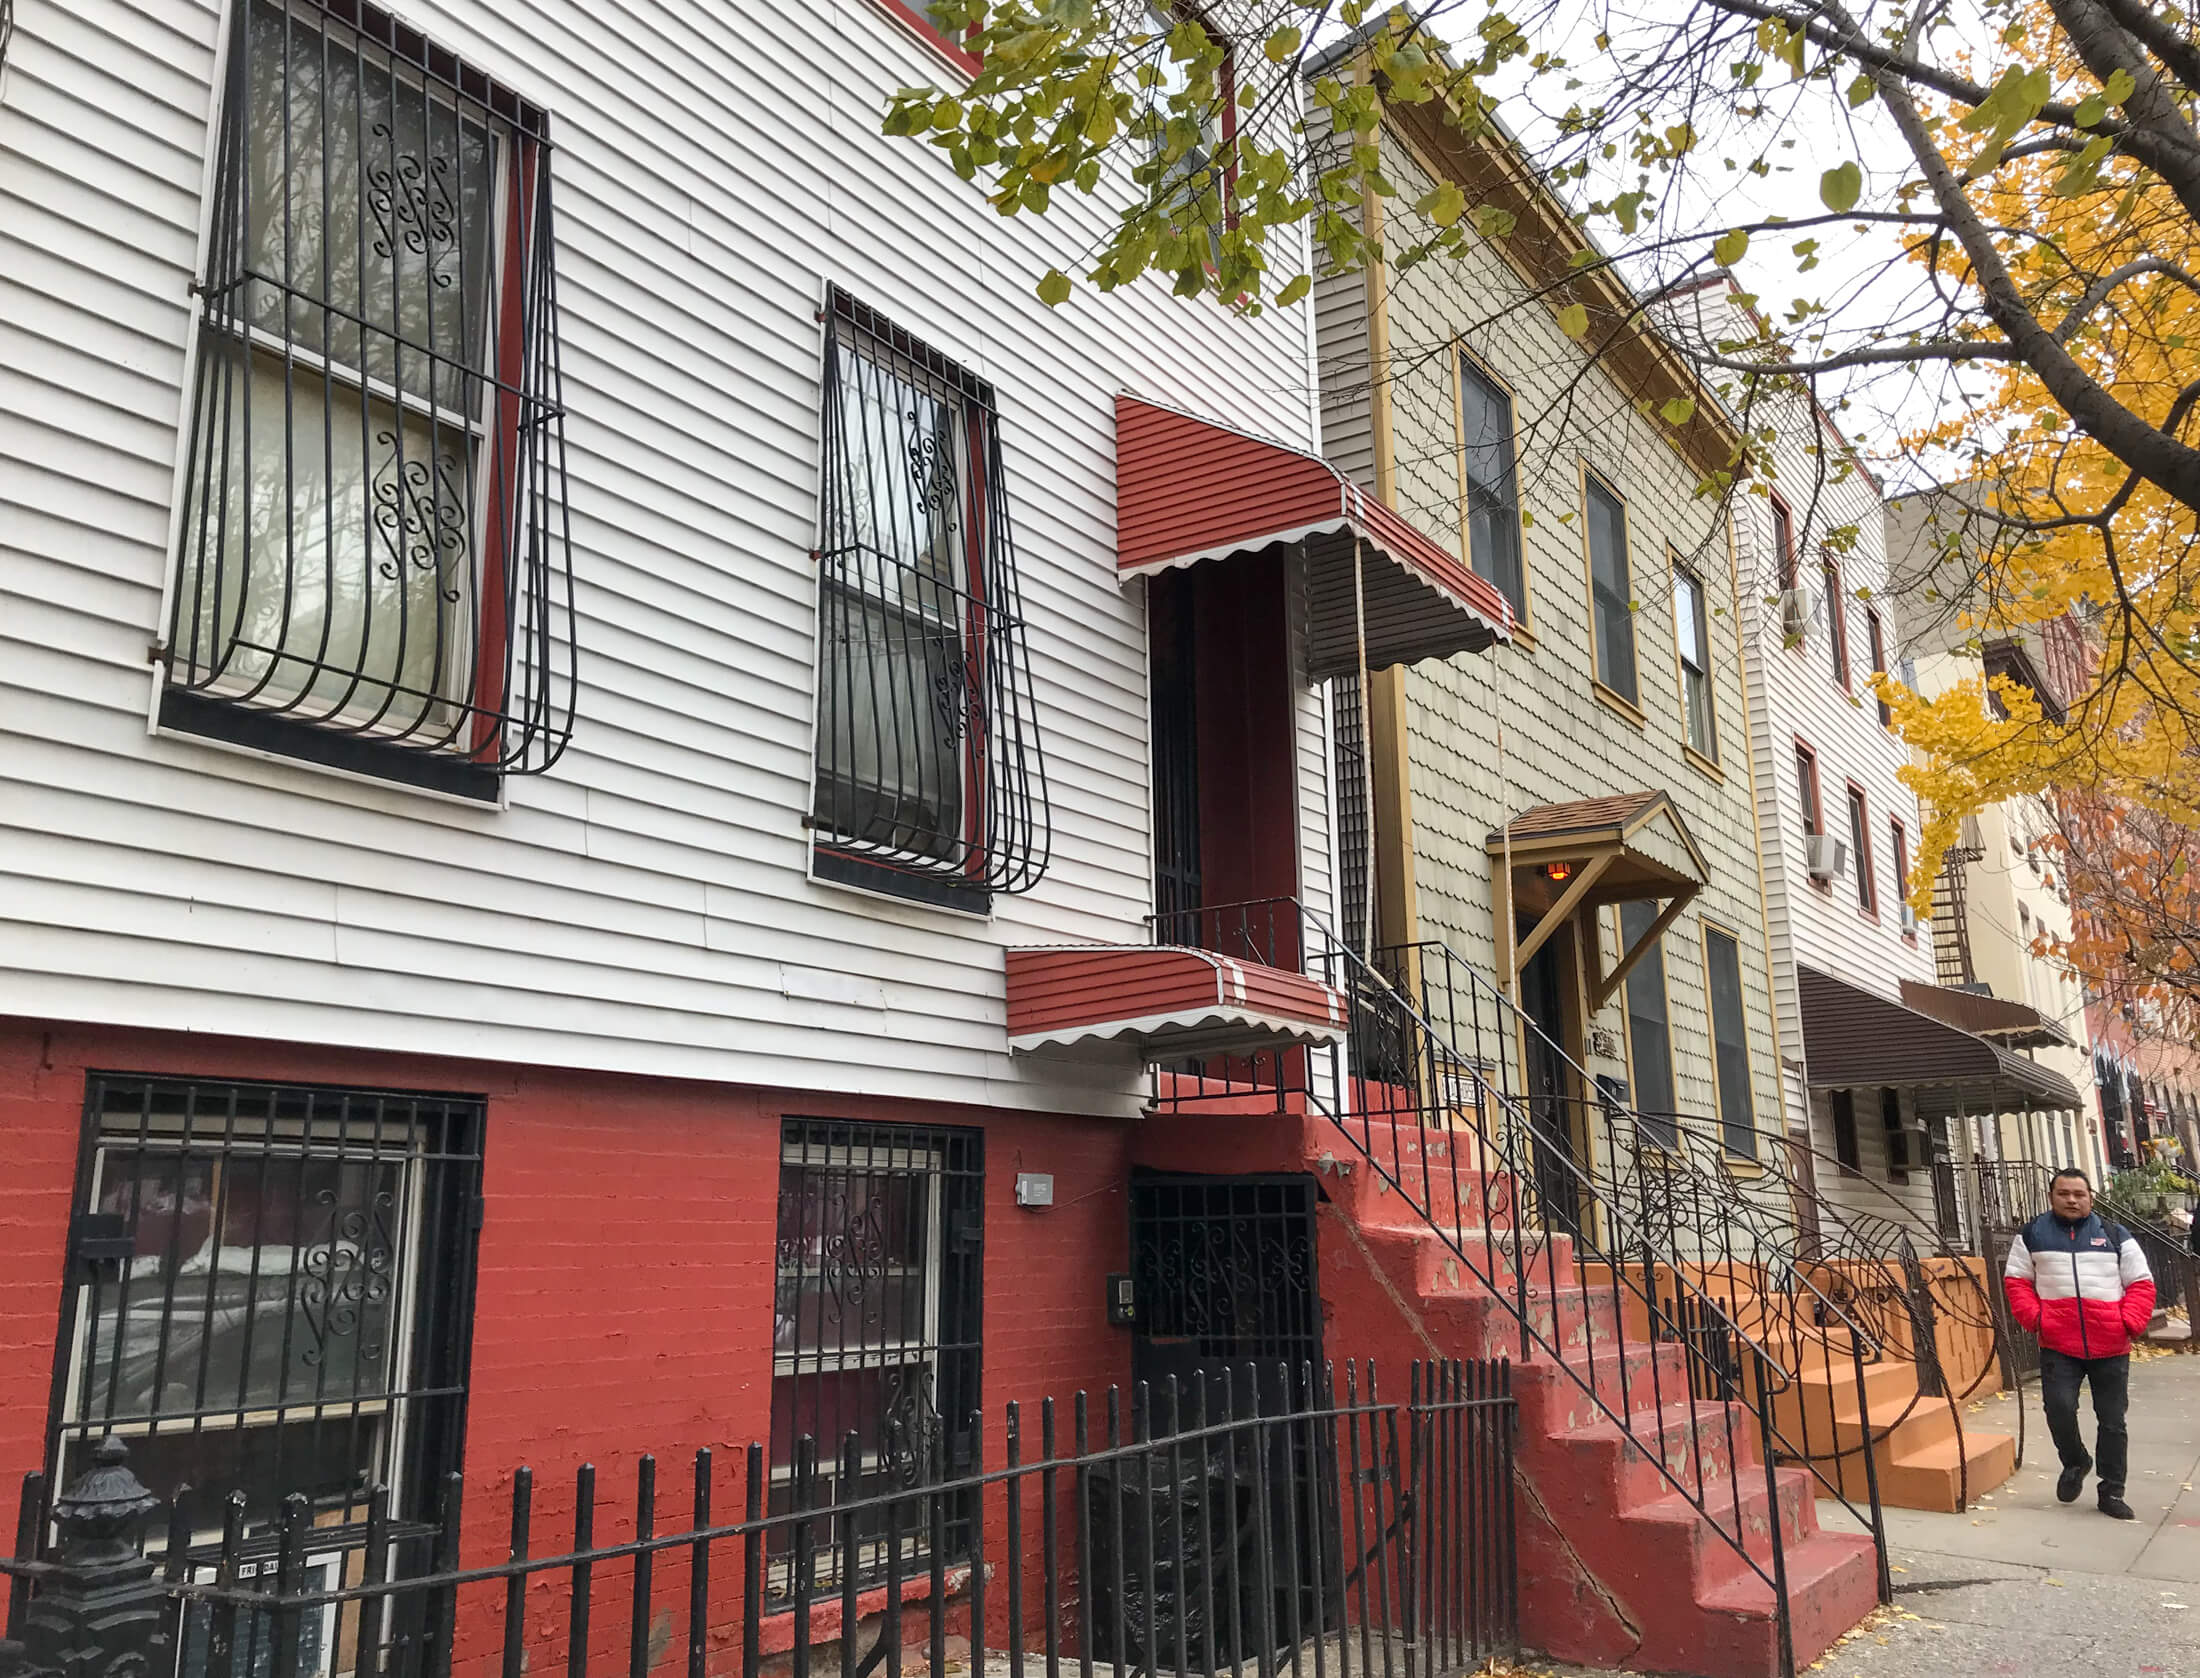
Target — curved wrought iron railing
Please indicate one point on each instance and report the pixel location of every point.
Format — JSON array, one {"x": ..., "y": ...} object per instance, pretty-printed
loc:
[
  {"x": 1891, "y": 1273},
  {"x": 1587, "y": 1280},
  {"x": 1761, "y": 1244}
]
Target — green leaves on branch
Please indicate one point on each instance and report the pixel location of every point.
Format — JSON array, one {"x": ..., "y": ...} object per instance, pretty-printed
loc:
[
  {"x": 2009, "y": 107},
  {"x": 1075, "y": 96},
  {"x": 1841, "y": 186},
  {"x": 1730, "y": 247}
]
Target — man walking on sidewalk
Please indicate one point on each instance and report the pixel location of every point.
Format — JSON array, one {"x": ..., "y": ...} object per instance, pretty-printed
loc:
[{"x": 2082, "y": 1285}]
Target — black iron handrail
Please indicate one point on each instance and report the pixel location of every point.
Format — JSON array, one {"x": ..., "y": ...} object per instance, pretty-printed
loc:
[
  {"x": 1398, "y": 1070},
  {"x": 1667, "y": 1171}
]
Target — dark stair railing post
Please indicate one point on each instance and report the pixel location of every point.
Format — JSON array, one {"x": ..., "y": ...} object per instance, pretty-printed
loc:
[{"x": 102, "y": 1608}]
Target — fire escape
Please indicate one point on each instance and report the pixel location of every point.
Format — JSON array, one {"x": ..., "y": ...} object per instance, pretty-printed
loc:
[{"x": 1951, "y": 910}]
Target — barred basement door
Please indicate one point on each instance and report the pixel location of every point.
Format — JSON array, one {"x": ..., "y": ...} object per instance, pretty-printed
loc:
[
  {"x": 270, "y": 1292},
  {"x": 1229, "y": 1317}
]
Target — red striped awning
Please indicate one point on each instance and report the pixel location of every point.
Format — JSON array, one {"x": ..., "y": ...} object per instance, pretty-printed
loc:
[
  {"x": 1169, "y": 999},
  {"x": 1189, "y": 489}
]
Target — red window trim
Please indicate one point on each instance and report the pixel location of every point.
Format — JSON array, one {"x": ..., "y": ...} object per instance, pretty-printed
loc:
[
  {"x": 1783, "y": 541},
  {"x": 1837, "y": 623},
  {"x": 916, "y": 21},
  {"x": 1860, "y": 822},
  {"x": 491, "y": 629},
  {"x": 977, "y": 446},
  {"x": 1814, "y": 799},
  {"x": 1902, "y": 869},
  {"x": 1226, "y": 89}
]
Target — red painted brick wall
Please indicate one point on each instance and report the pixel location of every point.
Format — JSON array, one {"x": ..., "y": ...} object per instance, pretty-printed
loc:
[{"x": 624, "y": 1300}]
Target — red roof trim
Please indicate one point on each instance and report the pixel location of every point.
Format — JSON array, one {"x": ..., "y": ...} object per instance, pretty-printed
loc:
[
  {"x": 1189, "y": 489},
  {"x": 1095, "y": 992}
]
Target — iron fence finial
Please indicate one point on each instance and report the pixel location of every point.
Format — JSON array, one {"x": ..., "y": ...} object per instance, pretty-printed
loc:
[{"x": 98, "y": 1512}]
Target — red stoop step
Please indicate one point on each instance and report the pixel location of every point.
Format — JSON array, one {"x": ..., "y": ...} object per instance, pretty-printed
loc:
[{"x": 1617, "y": 1568}]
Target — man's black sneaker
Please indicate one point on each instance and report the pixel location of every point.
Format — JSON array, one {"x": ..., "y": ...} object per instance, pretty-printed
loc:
[
  {"x": 2116, "y": 1509},
  {"x": 2072, "y": 1483}
]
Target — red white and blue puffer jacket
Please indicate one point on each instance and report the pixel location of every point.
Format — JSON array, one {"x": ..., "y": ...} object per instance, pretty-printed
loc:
[{"x": 2084, "y": 1289}]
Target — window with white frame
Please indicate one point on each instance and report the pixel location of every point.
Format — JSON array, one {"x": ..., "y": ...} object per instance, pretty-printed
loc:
[
  {"x": 875, "y": 1324},
  {"x": 270, "y": 1293},
  {"x": 1691, "y": 628},
  {"x": 1190, "y": 148},
  {"x": 373, "y": 566},
  {"x": 1722, "y": 953},
  {"x": 1611, "y": 589},
  {"x": 1489, "y": 474},
  {"x": 1649, "y": 1026}
]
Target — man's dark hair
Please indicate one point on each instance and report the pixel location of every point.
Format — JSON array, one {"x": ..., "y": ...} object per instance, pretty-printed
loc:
[{"x": 2069, "y": 1171}]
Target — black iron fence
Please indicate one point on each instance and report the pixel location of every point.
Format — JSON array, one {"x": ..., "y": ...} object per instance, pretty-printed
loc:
[{"x": 1248, "y": 1521}]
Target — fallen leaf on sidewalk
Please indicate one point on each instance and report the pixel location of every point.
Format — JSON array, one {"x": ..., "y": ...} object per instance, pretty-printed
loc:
[{"x": 2057, "y": 1583}]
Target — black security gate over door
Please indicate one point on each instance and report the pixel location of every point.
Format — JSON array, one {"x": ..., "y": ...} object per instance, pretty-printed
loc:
[
  {"x": 1229, "y": 1317},
  {"x": 1178, "y": 884}
]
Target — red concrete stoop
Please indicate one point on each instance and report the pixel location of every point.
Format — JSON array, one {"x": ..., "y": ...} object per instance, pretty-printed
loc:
[{"x": 1617, "y": 1567}]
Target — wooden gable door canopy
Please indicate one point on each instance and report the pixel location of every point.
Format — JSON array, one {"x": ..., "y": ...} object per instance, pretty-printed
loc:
[
  {"x": 1572, "y": 859},
  {"x": 1189, "y": 489}
]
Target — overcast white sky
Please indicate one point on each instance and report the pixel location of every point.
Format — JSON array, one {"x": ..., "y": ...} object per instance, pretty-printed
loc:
[{"x": 1860, "y": 274}]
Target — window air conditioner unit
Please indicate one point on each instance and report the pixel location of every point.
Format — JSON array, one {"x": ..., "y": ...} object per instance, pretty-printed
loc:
[
  {"x": 1909, "y": 918},
  {"x": 1795, "y": 611},
  {"x": 1825, "y": 854}
]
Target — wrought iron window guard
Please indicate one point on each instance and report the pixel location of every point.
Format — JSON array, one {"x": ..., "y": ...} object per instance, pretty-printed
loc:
[
  {"x": 876, "y": 1313},
  {"x": 374, "y": 566},
  {"x": 272, "y": 1285},
  {"x": 931, "y": 778}
]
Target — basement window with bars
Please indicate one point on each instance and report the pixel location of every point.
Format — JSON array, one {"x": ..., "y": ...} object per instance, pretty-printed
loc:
[
  {"x": 374, "y": 568},
  {"x": 875, "y": 1354},
  {"x": 270, "y": 1291},
  {"x": 931, "y": 782}
]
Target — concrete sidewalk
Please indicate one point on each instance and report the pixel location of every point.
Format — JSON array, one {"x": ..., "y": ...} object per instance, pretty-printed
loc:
[{"x": 2025, "y": 1585}]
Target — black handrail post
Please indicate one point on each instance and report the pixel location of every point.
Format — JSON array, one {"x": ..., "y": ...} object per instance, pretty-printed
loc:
[
  {"x": 1783, "y": 1623},
  {"x": 752, "y": 1561},
  {"x": 584, "y": 1540},
  {"x": 1871, "y": 1469},
  {"x": 515, "y": 1582},
  {"x": 30, "y": 1522}
]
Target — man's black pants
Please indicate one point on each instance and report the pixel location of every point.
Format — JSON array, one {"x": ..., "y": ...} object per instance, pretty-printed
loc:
[{"x": 2060, "y": 1378}]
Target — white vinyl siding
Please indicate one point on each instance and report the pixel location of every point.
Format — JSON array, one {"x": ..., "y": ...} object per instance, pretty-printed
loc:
[{"x": 644, "y": 907}]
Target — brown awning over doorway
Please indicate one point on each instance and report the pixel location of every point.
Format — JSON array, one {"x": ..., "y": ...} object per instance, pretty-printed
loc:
[
  {"x": 1571, "y": 859},
  {"x": 1855, "y": 1039},
  {"x": 2009, "y": 1025}
]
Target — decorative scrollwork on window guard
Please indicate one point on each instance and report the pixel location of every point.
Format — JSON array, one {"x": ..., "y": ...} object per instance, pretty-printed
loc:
[
  {"x": 930, "y": 774},
  {"x": 374, "y": 566}
]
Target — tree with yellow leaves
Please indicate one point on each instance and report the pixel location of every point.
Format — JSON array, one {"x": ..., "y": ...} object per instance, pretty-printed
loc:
[{"x": 2054, "y": 527}]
